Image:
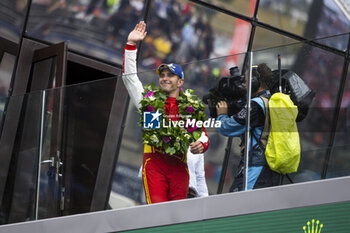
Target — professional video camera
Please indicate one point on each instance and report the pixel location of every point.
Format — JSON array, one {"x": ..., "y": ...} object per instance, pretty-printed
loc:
[
  {"x": 291, "y": 84},
  {"x": 230, "y": 89}
]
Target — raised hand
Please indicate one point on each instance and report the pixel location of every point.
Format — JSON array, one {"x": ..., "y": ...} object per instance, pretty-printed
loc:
[{"x": 138, "y": 34}]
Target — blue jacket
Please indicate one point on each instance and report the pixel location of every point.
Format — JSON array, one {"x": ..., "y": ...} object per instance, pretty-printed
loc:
[{"x": 234, "y": 126}]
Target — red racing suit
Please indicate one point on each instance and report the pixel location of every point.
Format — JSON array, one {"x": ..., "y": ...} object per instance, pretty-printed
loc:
[{"x": 165, "y": 177}]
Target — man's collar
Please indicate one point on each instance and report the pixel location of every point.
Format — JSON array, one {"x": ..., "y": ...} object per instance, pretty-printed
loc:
[{"x": 266, "y": 93}]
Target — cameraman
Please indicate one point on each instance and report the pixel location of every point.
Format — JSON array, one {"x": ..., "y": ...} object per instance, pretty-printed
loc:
[{"x": 259, "y": 173}]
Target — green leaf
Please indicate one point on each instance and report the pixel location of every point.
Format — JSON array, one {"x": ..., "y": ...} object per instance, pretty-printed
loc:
[
  {"x": 162, "y": 95},
  {"x": 196, "y": 135},
  {"x": 184, "y": 146},
  {"x": 174, "y": 146},
  {"x": 170, "y": 151}
]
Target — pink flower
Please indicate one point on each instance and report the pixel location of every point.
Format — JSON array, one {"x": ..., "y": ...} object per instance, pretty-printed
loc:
[
  {"x": 149, "y": 94},
  {"x": 190, "y": 109},
  {"x": 166, "y": 139},
  {"x": 150, "y": 109},
  {"x": 191, "y": 129}
]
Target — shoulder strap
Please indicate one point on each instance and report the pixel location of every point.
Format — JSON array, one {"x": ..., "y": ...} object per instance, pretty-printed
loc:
[
  {"x": 265, "y": 133},
  {"x": 266, "y": 130}
]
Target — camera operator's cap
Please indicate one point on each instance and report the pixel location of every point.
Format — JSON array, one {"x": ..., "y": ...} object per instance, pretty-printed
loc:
[{"x": 174, "y": 68}]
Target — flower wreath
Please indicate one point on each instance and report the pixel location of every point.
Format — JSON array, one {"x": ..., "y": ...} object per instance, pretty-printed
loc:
[{"x": 174, "y": 139}]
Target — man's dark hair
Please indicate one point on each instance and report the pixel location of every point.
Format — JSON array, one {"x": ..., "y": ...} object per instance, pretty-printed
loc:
[{"x": 266, "y": 76}]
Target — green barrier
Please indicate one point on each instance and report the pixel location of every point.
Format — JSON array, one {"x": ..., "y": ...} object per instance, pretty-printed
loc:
[{"x": 315, "y": 219}]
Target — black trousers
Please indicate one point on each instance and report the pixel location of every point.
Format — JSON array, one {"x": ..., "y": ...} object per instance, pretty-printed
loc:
[{"x": 267, "y": 178}]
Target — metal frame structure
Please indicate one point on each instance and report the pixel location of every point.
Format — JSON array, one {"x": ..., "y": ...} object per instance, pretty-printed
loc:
[{"x": 254, "y": 21}]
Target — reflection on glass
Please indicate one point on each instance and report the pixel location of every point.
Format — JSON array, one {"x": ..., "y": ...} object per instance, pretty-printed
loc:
[
  {"x": 240, "y": 6},
  {"x": 343, "y": 127},
  {"x": 58, "y": 150},
  {"x": 290, "y": 16},
  {"x": 96, "y": 28},
  {"x": 6, "y": 67},
  {"x": 49, "y": 186},
  {"x": 214, "y": 163},
  {"x": 321, "y": 70},
  {"x": 12, "y": 13},
  {"x": 19, "y": 198},
  {"x": 339, "y": 164},
  {"x": 201, "y": 76},
  {"x": 334, "y": 19},
  {"x": 311, "y": 19},
  {"x": 49, "y": 181},
  {"x": 127, "y": 187},
  {"x": 338, "y": 42},
  {"x": 189, "y": 32},
  {"x": 262, "y": 39},
  {"x": 75, "y": 129}
]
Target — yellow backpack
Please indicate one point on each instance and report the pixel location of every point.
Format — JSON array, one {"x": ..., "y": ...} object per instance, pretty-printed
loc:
[{"x": 281, "y": 138}]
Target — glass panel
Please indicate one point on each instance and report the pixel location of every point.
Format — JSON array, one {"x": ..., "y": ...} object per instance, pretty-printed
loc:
[
  {"x": 232, "y": 166},
  {"x": 127, "y": 187},
  {"x": 339, "y": 164},
  {"x": 343, "y": 129},
  {"x": 311, "y": 19},
  {"x": 75, "y": 128},
  {"x": 86, "y": 114},
  {"x": 339, "y": 42},
  {"x": 12, "y": 15},
  {"x": 95, "y": 28},
  {"x": 263, "y": 39},
  {"x": 320, "y": 70},
  {"x": 50, "y": 177},
  {"x": 240, "y": 6},
  {"x": 61, "y": 136},
  {"x": 203, "y": 76},
  {"x": 20, "y": 193},
  {"x": 193, "y": 33},
  {"x": 334, "y": 19},
  {"x": 288, "y": 15}
]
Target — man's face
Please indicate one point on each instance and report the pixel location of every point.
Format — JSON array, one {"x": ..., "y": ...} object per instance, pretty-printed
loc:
[{"x": 169, "y": 82}]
